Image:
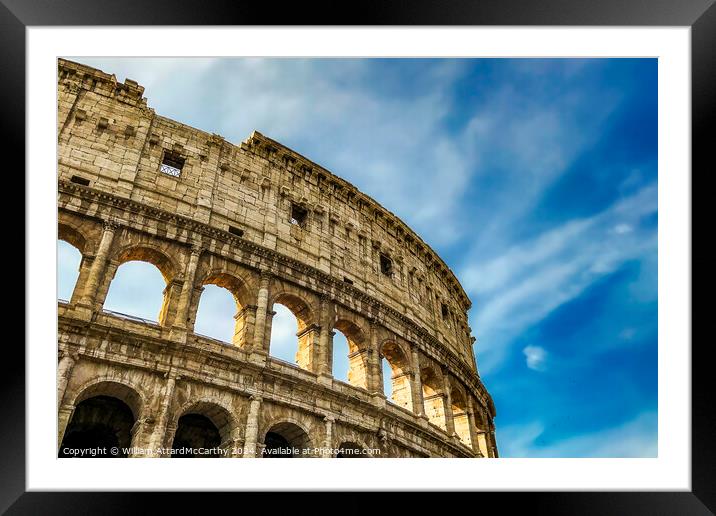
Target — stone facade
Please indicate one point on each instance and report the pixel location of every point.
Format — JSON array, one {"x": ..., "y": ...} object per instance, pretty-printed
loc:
[{"x": 271, "y": 227}]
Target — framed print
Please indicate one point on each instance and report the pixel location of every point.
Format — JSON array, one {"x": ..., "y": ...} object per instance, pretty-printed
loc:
[{"x": 454, "y": 242}]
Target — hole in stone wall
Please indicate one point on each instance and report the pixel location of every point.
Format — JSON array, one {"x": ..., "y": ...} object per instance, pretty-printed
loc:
[
  {"x": 172, "y": 164},
  {"x": 236, "y": 231},
  {"x": 80, "y": 180},
  {"x": 444, "y": 310},
  {"x": 386, "y": 265},
  {"x": 299, "y": 215}
]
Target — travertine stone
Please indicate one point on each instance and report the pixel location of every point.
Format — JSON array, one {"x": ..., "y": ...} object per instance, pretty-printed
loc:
[{"x": 270, "y": 226}]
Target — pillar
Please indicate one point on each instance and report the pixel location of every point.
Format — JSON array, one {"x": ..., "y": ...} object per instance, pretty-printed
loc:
[
  {"x": 375, "y": 369},
  {"x": 325, "y": 338},
  {"x": 64, "y": 368},
  {"x": 157, "y": 440},
  {"x": 418, "y": 404},
  {"x": 261, "y": 308},
  {"x": 98, "y": 264},
  {"x": 471, "y": 426},
  {"x": 326, "y": 452},
  {"x": 180, "y": 321},
  {"x": 449, "y": 421},
  {"x": 308, "y": 344},
  {"x": 251, "y": 432}
]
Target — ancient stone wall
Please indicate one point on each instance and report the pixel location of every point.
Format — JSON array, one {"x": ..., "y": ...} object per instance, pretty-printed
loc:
[{"x": 271, "y": 227}]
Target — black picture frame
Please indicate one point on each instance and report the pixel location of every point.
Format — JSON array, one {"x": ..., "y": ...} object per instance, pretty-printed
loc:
[{"x": 700, "y": 15}]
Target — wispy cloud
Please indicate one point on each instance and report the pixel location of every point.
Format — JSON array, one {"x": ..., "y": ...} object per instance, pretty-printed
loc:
[
  {"x": 533, "y": 278},
  {"x": 634, "y": 438}
]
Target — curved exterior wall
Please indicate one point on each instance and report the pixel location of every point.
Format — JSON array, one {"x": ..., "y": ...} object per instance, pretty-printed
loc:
[{"x": 227, "y": 220}]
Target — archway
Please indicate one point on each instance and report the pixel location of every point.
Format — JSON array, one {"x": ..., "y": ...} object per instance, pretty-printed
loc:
[
  {"x": 137, "y": 289},
  {"x": 140, "y": 281},
  {"x": 460, "y": 415},
  {"x": 220, "y": 313},
  {"x": 400, "y": 391},
  {"x": 349, "y": 354},
  {"x": 286, "y": 440},
  {"x": 433, "y": 396},
  {"x": 69, "y": 259},
  {"x": 293, "y": 336},
  {"x": 196, "y": 436},
  {"x": 101, "y": 426}
]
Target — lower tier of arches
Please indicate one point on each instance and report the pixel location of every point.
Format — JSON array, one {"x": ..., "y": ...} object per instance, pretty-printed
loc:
[{"x": 118, "y": 397}]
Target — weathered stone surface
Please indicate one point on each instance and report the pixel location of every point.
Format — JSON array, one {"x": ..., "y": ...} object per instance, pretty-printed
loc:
[{"x": 271, "y": 227}]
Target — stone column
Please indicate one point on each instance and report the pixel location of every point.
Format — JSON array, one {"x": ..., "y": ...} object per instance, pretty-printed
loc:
[
  {"x": 375, "y": 369},
  {"x": 418, "y": 403},
  {"x": 325, "y": 339},
  {"x": 81, "y": 283},
  {"x": 328, "y": 441},
  {"x": 64, "y": 368},
  {"x": 472, "y": 426},
  {"x": 98, "y": 264},
  {"x": 63, "y": 418},
  {"x": 251, "y": 432},
  {"x": 449, "y": 421},
  {"x": 180, "y": 321},
  {"x": 157, "y": 440},
  {"x": 261, "y": 308}
]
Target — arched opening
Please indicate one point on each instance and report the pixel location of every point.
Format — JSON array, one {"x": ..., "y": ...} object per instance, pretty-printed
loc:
[
  {"x": 481, "y": 428},
  {"x": 220, "y": 313},
  {"x": 350, "y": 450},
  {"x": 387, "y": 373},
  {"x": 284, "y": 327},
  {"x": 69, "y": 259},
  {"x": 204, "y": 429},
  {"x": 216, "y": 308},
  {"x": 293, "y": 337},
  {"x": 137, "y": 289},
  {"x": 101, "y": 426},
  {"x": 460, "y": 416},
  {"x": 350, "y": 361},
  {"x": 399, "y": 375},
  {"x": 141, "y": 282},
  {"x": 196, "y": 436},
  {"x": 286, "y": 440},
  {"x": 433, "y": 396}
]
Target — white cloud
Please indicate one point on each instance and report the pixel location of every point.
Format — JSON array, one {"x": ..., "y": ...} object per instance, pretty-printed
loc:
[
  {"x": 535, "y": 356},
  {"x": 531, "y": 279},
  {"x": 621, "y": 229},
  {"x": 637, "y": 437}
]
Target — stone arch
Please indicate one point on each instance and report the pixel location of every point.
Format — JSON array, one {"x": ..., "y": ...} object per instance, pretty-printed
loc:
[
  {"x": 286, "y": 432},
  {"x": 482, "y": 428},
  {"x": 239, "y": 289},
  {"x": 399, "y": 360},
  {"x": 307, "y": 330},
  {"x": 460, "y": 414},
  {"x": 190, "y": 431},
  {"x": 73, "y": 236},
  {"x": 150, "y": 253},
  {"x": 431, "y": 379},
  {"x": 104, "y": 416},
  {"x": 108, "y": 385},
  {"x": 300, "y": 308},
  {"x": 158, "y": 257},
  {"x": 358, "y": 364}
]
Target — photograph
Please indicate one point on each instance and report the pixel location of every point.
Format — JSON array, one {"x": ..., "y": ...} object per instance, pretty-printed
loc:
[{"x": 317, "y": 257}]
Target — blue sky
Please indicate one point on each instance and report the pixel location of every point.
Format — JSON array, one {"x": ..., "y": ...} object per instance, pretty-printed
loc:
[{"x": 534, "y": 179}]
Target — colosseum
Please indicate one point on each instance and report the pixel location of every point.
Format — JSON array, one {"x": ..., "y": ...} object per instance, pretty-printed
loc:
[{"x": 270, "y": 226}]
